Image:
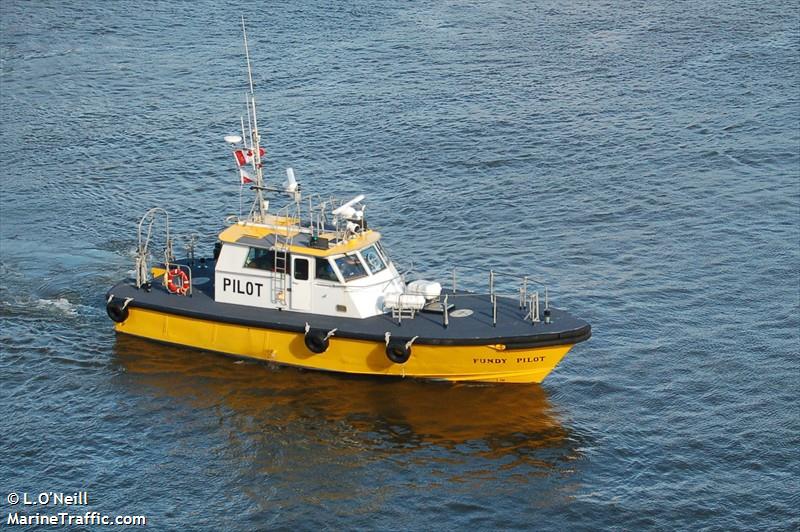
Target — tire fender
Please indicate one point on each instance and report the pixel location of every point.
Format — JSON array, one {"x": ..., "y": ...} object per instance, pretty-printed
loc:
[
  {"x": 398, "y": 351},
  {"x": 317, "y": 340},
  {"x": 117, "y": 310}
]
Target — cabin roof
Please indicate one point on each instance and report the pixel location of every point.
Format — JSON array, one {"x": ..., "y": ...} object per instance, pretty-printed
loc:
[{"x": 268, "y": 236}]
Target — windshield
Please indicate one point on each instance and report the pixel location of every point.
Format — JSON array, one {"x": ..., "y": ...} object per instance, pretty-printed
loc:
[
  {"x": 373, "y": 259},
  {"x": 351, "y": 268}
]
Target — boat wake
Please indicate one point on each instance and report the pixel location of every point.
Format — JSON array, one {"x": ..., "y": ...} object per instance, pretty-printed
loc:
[
  {"x": 61, "y": 305},
  {"x": 45, "y": 308}
]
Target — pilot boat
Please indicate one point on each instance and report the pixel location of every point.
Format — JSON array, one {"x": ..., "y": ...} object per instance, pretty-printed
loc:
[{"x": 310, "y": 284}]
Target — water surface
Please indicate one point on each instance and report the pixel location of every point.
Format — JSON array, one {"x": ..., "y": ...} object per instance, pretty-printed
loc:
[{"x": 644, "y": 157}]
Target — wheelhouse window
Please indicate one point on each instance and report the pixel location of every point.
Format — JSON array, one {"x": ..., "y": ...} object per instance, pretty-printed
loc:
[
  {"x": 262, "y": 259},
  {"x": 351, "y": 267},
  {"x": 325, "y": 271},
  {"x": 373, "y": 259}
]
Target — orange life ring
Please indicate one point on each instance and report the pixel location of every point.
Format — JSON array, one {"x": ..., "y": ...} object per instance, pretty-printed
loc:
[{"x": 182, "y": 286}]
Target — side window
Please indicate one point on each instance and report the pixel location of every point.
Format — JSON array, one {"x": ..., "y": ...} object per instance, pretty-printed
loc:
[
  {"x": 301, "y": 269},
  {"x": 325, "y": 271},
  {"x": 262, "y": 259}
]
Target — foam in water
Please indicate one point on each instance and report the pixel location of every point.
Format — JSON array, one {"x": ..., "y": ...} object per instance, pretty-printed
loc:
[{"x": 61, "y": 304}]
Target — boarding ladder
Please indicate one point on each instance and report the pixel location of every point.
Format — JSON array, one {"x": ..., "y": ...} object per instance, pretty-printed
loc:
[
  {"x": 399, "y": 312},
  {"x": 280, "y": 267}
]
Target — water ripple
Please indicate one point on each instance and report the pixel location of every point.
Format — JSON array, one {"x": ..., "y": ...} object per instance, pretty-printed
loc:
[{"x": 643, "y": 158}]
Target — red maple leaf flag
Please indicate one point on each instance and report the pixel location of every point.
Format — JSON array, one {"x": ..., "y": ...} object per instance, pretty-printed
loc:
[
  {"x": 244, "y": 177},
  {"x": 244, "y": 157}
]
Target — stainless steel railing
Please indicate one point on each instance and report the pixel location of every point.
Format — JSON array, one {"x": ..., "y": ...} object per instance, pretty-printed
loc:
[{"x": 527, "y": 293}]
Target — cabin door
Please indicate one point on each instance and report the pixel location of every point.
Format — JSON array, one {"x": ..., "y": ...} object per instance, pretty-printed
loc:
[{"x": 301, "y": 284}]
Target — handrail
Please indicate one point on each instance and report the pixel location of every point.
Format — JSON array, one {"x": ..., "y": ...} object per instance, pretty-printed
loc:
[
  {"x": 169, "y": 266},
  {"x": 529, "y": 301},
  {"x": 533, "y": 306},
  {"x": 142, "y": 271},
  {"x": 521, "y": 293},
  {"x": 355, "y": 288},
  {"x": 501, "y": 273}
]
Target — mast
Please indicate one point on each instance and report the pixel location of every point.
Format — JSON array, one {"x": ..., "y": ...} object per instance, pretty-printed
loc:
[{"x": 260, "y": 209}]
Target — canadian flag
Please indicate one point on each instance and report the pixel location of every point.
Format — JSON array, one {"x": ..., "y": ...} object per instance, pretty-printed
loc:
[
  {"x": 244, "y": 157},
  {"x": 244, "y": 177}
]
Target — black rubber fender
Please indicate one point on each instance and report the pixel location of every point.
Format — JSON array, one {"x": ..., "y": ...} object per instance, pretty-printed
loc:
[
  {"x": 117, "y": 311},
  {"x": 397, "y": 351},
  {"x": 316, "y": 340}
]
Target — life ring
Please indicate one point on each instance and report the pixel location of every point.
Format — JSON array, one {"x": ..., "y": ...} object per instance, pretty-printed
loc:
[
  {"x": 117, "y": 311},
  {"x": 316, "y": 340},
  {"x": 182, "y": 286},
  {"x": 398, "y": 351}
]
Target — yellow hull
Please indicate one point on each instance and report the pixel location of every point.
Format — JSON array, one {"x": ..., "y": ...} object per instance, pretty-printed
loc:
[{"x": 441, "y": 362}]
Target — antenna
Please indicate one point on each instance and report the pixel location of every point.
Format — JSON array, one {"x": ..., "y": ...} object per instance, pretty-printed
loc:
[
  {"x": 291, "y": 183},
  {"x": 247, "y": 57},
  {"x": 347, "y": 209},
  {"x": 261, "y": 207},
  {"x": 247, "y": 144}
]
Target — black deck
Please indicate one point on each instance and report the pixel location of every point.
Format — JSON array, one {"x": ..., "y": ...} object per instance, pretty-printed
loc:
[{"x": 476, "y": 329}]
